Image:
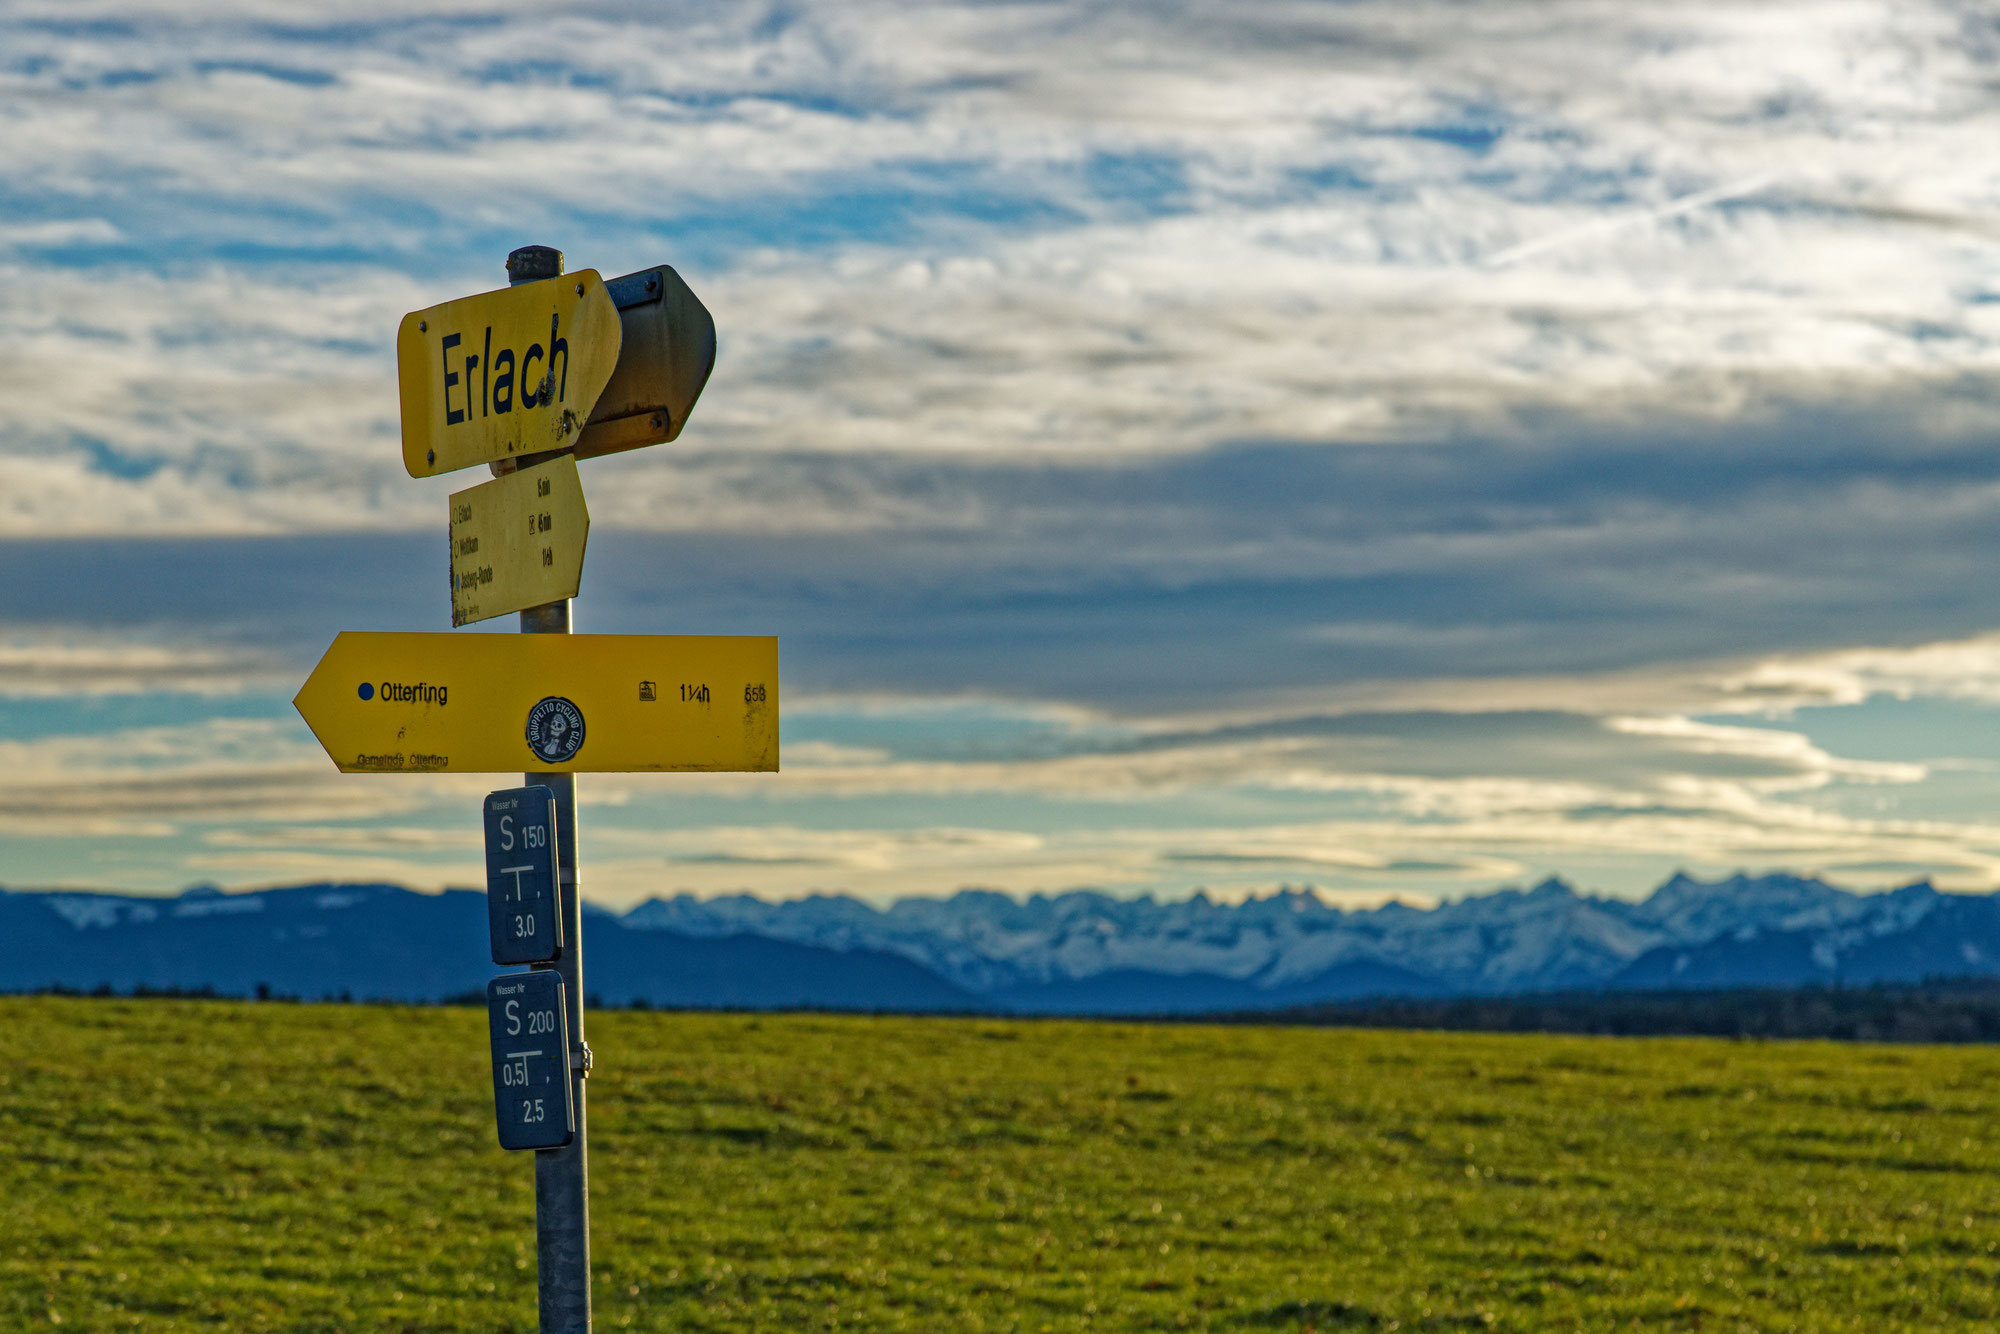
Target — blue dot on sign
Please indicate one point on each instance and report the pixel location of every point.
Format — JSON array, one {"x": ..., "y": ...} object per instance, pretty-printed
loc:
[{"x": 367, "y": 691}]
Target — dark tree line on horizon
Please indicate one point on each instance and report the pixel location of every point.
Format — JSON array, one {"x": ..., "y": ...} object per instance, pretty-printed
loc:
[
  {"x": 1940, "y": 1011},
  {"x": 1944, "y": 1010}
]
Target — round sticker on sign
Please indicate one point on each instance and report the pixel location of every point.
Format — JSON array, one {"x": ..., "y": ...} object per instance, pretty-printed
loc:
[{"x": 555, "y": 729}]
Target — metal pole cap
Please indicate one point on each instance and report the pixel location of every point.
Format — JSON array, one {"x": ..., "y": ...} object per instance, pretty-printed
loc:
[{"x": 531, "y": 262}]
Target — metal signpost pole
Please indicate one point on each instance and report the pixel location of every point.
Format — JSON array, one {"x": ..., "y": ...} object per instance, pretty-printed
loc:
[
  {"x": 621, "y": 365},
  {"x": 562, "y": 1179}
]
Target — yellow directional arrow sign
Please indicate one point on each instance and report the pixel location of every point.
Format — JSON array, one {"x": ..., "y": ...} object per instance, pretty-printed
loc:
[
  {"x": 471, "y": 703},
  {"x": 509, "y": 372},
  {"x": 517, "y": 541}
]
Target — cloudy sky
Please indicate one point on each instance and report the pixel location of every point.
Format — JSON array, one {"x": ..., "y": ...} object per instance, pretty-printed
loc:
[{"x": 1405, "y": 448}]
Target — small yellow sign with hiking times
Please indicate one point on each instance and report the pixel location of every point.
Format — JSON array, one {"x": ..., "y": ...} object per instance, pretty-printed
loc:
[
  {"x": 517, "y": 541},
  {"x": 504, "y": 373},
  {"x": 489, "y": 703}
]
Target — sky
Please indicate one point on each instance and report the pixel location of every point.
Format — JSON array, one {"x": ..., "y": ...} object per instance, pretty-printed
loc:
[{"x": 1404, "y": 448}]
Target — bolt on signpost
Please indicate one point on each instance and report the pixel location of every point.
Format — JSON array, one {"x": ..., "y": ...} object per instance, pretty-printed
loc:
[{"x": 528, "y": 379}]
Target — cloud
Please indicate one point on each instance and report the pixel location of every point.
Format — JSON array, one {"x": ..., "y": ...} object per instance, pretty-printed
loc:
[
  {"x": 1433, "y": 802},
  {"x": 1257, "y": 576},
  {"x": 1062, "y": 233},
  {"x": 76, "y": 661},
  {"x": 1966, "y": 669},
  {"x": 1415, "y": 428},
  {"x": 1472, "y": 835},
  {"x": 215, "y": 402},
  {"x": 333, "y": 839},
  {"x": 58, "y": 234},
  {"x": 154, "y": 782}
]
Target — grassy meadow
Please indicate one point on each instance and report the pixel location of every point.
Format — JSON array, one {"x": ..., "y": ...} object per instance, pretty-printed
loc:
[{"x": 236, "y": 1166}]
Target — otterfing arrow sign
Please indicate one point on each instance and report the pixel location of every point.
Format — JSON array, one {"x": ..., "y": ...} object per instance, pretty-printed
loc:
[{"x": 467, "y": 703}]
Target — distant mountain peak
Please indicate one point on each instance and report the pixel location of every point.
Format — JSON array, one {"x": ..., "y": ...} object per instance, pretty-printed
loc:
[
  {"x": 1084, "y": 950},
  {"x": 1682, "y": 887}
]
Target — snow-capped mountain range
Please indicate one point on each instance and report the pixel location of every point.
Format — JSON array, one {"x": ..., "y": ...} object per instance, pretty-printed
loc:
[
  {"x": 1546, "y": 938},
  {"x": 1078, "y": 952}
]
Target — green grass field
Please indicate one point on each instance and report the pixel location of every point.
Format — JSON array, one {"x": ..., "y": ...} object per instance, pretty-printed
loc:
[{"x": 191, "y": 1164}]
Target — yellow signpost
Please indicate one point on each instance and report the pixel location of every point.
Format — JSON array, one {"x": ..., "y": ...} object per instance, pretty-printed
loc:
[
  {"x": 504, "y": 373},
  {"x": 530, "y": 378},
  {"x": 517, "y": 541},
  {"x": 469, "y": 703}
]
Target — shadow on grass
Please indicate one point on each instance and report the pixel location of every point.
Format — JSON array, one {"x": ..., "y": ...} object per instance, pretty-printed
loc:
[{"x": 1316, "y": 1316}]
